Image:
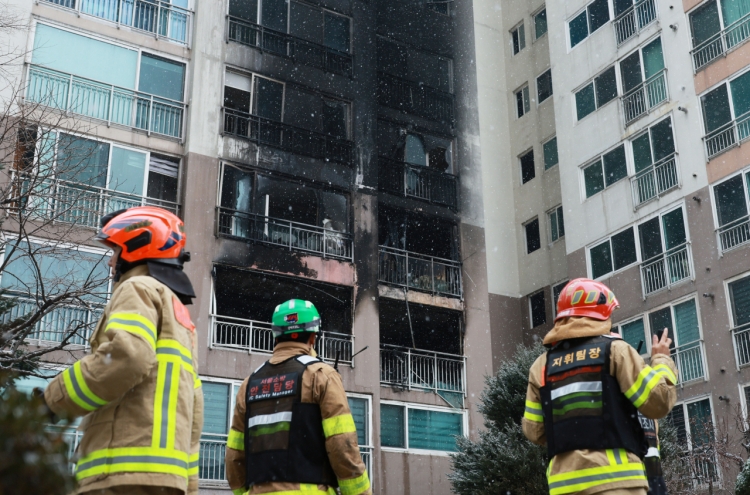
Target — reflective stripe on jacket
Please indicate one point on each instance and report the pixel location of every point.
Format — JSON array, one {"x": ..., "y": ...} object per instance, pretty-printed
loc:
[
  {"x": 321, "y": 384},
  {"x": 651, "y": 389},
  {"x": 138, "y": 390}
]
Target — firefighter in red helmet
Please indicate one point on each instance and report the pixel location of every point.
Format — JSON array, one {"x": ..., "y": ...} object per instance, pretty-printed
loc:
[
  {"x": 587, "y": 392},
  {"x": 138, "y": 391}
]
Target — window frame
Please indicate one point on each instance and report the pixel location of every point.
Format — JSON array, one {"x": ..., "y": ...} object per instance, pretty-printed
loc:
[
  {"x": 533, "y": 18},
  {"x": 289, "y": 19},
  {"x": 448, "y": 3},
  {"x": 646, "y": 350},
  {"x": 370, "y": 445},
  {"x": 697, "y": 7},
  {"x": 520, "y": 30},
  {"x": 423, "y": 407},
  {"x": 557, "y": 211},
  {"x": 634, "y": 226},
  {"x": 639, "y": 50},
  {"x": 539, "y": 99},
  {"x": 544, "y": 143},
  {"x": 526, "y": 102},
  {"x": 585, "y": 8},
  {"x": 729, "y": 305},
  {"x": 730, "y": 99},
  {"x": 671, "y": 305},
  {"x": 523, "y": 155},
  {"x": 647, "y": 131},
  {"x": 531, "y": 308},
  {"x": 562, "y": 285},
  {"x": 253, "y": 77},
  {"x": 139, "y": 49},
  {"x": 600, "y": 158},
  {"x": 111, "y": 144},
  {"x": 745, "y": 173},
  {"x": 592, "y": 82},
  {"x": 693, "y": 400},
  {"x": 526, "y": 238}
]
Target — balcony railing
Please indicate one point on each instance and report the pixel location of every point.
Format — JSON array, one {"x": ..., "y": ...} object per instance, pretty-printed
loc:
[
  {"x": 76, "y": 203},
  {"x": 414, "y": 181},
  {"x": 741, "y": 336},
  {"x": 666, "y": 269},
  {"x": 655, "y": 180},
  {"x": 256, "y": 337},
  {"x": 287, "y": 137},
  {"x": 647, "y": 95},
  {"x": 366, "y": 453},
  {"x": 689, "y": 361},
  {"x": 420, "y": 272},
  {"x": 327, "y": 243},
  {"x": 112, "y": 104},
  {"x": 53, "y": 327},
  {"x": 415, "y": 98},
  {"x": 211, "y": 467},
  {"x": 161, "y": 19},
  {"x": 734, "y": 234},
  {"x": 417, "y": 369},
  {"x": 721, "y": 43},
  {"x": 633, "y": 20},
  {"x": 728, "y": 136},
  {"x": 285, "y": 45}
]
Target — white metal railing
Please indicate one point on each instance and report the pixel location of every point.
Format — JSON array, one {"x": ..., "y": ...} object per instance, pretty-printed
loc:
[
  {"x": 721, "y": 43},
  {"x": 741, "y": 337},
  {"x": 647, "y": 95},
  {"x": 70, "y": 436},
  {"x": 727, "y": 136},
  {"x": 655, "y": 180},
  {"x": 257, "y": 337},
  {"x": 420, "y": 272},
  {"x": 106, "y": 102},
  {"x": 666, "y": 269},
  {"x": 211, "y": 468},
  {"x": 77, "y": 203},
  {"x": 422, "y": 370},
  {"x": 633, "y": 20},
  {"x": 689, "y": 361},
  {"x": 734, "y": 234},
  {"x": 327, "y": 242},
  {"x": 366, "y": 453},
  {"x": 54, "y": 326},
  {"x": 162, "y": 19}
]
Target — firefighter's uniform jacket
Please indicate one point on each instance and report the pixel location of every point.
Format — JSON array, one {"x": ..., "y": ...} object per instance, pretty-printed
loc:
[
  {"x": 321, "y": 384},
  {"x": 651, "y": 389},
  {"x": 138, "y": 390}
]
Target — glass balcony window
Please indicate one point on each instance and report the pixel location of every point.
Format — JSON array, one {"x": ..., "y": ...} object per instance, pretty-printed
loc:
[
  {"x": 718, "y": 27},
  {"x": 726, "y": 115},
  {"x": 732, "y": 200}
]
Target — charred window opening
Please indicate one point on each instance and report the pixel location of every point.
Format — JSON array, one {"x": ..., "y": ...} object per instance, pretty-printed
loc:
[
  {"x": 416, "y": 233},
  {"x": 251, "y": 295},
  {"x": 279, "y": 102},
  {"x": 25, "y": 148},
  {"x": 434, "y": 329},
  {"x": 248, "y": 191},
  {"x": 415, "y": 148},
  {"x": 415, "y": 65}
]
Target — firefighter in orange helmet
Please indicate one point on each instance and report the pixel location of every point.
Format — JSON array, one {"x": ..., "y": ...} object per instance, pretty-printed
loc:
[
  {"x": 138, "y": 391},
  {"x": 586, "y": 394}
]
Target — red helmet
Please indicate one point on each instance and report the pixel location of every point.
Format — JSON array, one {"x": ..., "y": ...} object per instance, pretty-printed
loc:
[
  {"x": 144, "y": 233},
  {"x": 585, "y": 297}
]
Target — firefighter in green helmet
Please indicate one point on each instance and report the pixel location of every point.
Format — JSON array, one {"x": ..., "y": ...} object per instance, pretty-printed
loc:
[{"x": 292, "y": 430}]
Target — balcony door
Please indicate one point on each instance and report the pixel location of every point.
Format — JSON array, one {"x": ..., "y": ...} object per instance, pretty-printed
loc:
[
  {"x": 653, "y": 146},
  {"x": 681, "y": 321},
  {"x": 726, "y": 103}
]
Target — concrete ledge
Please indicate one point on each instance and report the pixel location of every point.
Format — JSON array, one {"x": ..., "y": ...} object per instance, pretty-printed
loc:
[{"x": 420, "y": 297}]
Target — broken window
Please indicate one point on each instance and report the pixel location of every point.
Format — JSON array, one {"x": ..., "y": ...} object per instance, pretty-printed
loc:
[
  {"x": 422, "y": 234},
  {"x": 537, "y": 309},
  {"x": 399, "y": 144},
  {"x": 252, "y": 295},
  {"x": 278, "y": 102},
  {"x": 421, "y": 327},
  {"x": 250, "y": 192}
]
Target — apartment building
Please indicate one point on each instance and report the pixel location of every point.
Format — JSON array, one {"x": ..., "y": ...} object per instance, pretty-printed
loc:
[
  {"x": 651, "y": 106},
  {"x": 325, "y": 150}
]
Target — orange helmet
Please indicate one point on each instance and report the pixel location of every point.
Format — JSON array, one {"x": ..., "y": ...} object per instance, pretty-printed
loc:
[
  {"x": 585, "y": 297},
  {"x": 145, "y": 233}
]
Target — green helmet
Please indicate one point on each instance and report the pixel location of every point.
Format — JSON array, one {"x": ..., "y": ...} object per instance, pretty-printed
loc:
[{"x": 295, "y": 316}]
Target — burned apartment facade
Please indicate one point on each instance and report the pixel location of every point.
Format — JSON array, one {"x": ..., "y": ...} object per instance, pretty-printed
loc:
[{"x": 322, "y": 150}]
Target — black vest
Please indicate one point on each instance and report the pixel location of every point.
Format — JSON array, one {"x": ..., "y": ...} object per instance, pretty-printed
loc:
[
  {"x": 652, "y": 461},
  {"x": 284, "y": 438},
  {"x": 582, "y": 403}
]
